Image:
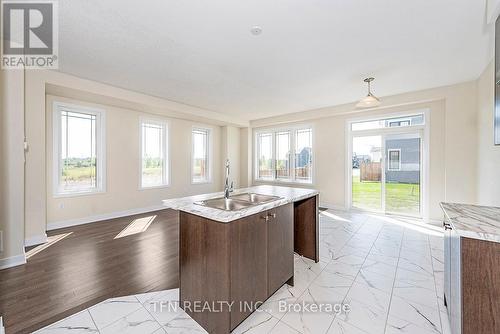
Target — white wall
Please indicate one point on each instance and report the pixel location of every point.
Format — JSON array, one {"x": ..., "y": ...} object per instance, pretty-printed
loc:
[
  {"x": 453, "y": 136},
  {"x": 231, "y": 150},
  {"x": 12, "y": 167},
  {"x": 124, "y": 109},
  {"x": 123, "y": 166},
  {"x": 246, "y": 157},
  {"x": 488, "y": 155}
]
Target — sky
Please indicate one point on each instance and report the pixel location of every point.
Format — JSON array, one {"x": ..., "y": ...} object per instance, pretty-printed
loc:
[
  {"x": 152, "y": 141},
  {"x": 199, "y": 144},
  {"x": 81, "y": 136},
  {"x": 364, "y": 145}
]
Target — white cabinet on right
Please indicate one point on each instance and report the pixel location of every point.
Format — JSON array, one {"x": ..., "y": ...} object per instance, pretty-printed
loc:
[{"x": 452, "y": 274}]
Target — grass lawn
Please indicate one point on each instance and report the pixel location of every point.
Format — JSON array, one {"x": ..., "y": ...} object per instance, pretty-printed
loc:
[
  {"x": 400, "y": 197},
  {"x": 78, "y": 173},
  {"x": 77, "y": 178}
]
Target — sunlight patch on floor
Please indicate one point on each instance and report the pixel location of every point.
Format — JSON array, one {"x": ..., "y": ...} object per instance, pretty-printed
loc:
[
  {"x": 412, "y": 224},
  {"x": 333, "y": 216},
  {"x": 50, "y": 241},
  {"x": 138, "y": 225}
]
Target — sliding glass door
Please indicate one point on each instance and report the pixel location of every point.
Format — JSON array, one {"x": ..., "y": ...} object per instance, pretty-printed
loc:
[
  {"x": 367, "y": 172},
  {"x": 386, "y": 165},
  {"x": 403, "y": 171}
]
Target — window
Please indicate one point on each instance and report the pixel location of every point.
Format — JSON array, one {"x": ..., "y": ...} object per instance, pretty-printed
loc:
[
  {"x": 201, "y": 141},
  {"x": 154, "y": 154},
  {"x": 303, "y": 153},
  {"x": 284, "y": 155},
  {"x": 394, "y": 159},
  {"x": 265, "y": 156},
  {"x": 78, "y": 150},
  {"x": 389, "y": 123}
]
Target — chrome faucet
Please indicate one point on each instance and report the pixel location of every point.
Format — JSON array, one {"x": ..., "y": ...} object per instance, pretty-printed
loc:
[{"x": 227, "y": 189}]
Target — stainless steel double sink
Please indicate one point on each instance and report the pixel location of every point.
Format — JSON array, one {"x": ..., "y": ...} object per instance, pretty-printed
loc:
[{"x": 238, "y": 201}]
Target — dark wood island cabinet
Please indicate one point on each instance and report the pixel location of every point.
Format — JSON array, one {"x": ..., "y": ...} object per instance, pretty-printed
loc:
[{"x": 228, "y": 269}]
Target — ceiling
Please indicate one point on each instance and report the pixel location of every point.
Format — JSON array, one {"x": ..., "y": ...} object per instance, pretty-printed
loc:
[{"x": 311, "y": 53}]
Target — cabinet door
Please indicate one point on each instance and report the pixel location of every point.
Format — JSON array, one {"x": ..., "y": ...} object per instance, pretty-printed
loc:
[
  {"x": 306, "y": 238},
  {"x": 280, "y": 246},
  {"x": 248, "y": 266}
]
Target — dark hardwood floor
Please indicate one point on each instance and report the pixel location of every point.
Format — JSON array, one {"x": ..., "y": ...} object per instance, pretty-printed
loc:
[{"x": 88, "y": 266}]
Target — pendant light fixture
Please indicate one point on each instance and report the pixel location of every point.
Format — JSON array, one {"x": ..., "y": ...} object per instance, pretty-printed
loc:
[{"x": 370, "y": 100}]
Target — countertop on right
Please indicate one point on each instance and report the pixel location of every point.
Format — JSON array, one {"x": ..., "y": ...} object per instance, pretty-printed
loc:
[{"x": 474, "y": 221}]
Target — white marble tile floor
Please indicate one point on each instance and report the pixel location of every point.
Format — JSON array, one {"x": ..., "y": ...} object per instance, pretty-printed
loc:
[{"x": 388, "y": 271}]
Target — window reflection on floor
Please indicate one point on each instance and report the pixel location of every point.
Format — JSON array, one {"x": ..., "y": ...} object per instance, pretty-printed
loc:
[
  {"x": 50, "y": 241},
  {"x": 138, "y": 225}
]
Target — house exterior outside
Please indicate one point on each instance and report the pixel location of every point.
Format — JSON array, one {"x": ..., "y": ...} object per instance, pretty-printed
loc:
[
  {"x": 304, "y": 157},
  {"x": 403, "y": 160}
]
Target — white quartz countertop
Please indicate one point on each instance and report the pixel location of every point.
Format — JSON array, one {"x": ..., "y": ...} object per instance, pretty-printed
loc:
[
  {"x": 286, "y": 194},
  {"x": 474, "y": 221}
]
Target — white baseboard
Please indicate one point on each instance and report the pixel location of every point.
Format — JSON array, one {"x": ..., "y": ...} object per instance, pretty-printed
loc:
[
  {"x": 332, "y": 206},
  {"x": 12, "y": 261},
  {"x": 92, "y": 219},
  {"x": 36, "y": 240}
]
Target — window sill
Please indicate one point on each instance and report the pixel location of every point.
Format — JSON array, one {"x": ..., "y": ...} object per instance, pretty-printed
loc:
[
  {"x": 154, "y": 187},
  {"x": 79, "y": 194},
  {"x": 201, "y": 182}
]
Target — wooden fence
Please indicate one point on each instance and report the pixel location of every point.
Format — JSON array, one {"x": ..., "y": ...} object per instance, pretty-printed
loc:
[
  {"x": 370, "y": 171},
  {"x": 301, "y": 173}
]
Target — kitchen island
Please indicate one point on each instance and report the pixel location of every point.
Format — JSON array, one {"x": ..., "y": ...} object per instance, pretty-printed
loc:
[
  {"x": 472, "y": 268},
  {"x": 232, "y": 260}
]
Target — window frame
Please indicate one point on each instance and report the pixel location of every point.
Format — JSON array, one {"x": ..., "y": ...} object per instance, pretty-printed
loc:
[
  {"x": 424, "y": 130},
  {"x": 166, "y": 151},
  {"x": 209, "y": 154},
  {"x": 389, "y": 159},
  {"x": 400, "y": 116},
  {"x": 292, "y": 142},
  {"x": 100, "y": 127}
]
